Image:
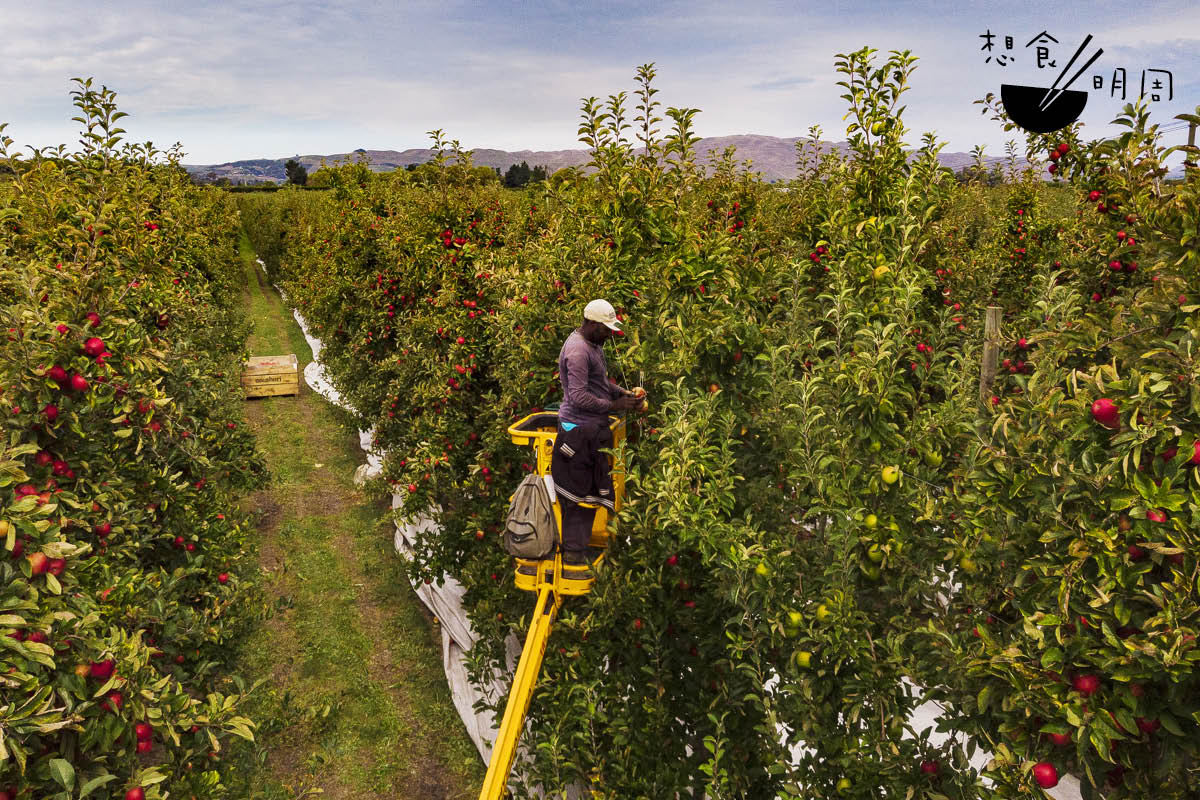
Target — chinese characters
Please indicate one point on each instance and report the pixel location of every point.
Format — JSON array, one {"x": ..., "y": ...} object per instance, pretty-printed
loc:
[{"x": 1154, "y": 84}]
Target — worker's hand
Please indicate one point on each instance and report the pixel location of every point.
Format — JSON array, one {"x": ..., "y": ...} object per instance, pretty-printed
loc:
[{"x": 626, "y": 403}]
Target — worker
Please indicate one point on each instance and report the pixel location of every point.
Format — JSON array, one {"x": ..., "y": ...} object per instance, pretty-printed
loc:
[{"x": 578, "y": 467}]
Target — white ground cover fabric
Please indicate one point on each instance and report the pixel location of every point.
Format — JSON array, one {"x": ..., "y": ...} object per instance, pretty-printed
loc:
[{"x": 443, "y": 598}]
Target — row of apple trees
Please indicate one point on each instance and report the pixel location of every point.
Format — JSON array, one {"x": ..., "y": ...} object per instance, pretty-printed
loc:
[
  {"x": 825, "y": 526},
  {"x": 121, "y": 577}
]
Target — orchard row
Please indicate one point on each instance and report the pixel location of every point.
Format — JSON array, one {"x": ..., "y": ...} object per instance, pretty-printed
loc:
[{"x": 122, "y": 577}]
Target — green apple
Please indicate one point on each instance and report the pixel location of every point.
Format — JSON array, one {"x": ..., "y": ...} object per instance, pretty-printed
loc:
[
  {"x": 933, "y": 458},
  {"x": 823, "y": 613},
  {"x": 890, "y": 474},
  {"x": 844, "y": 784},
  {"x": 794, "y": 619},
  {"x": 874, "y": 447},
  {"x": 968, "y": 565},
  {"x": 872, "y": 572},
  {"x": 871, "y": 521},
  {"x": 875, "y": 553},
  {"x": 802, "y": 659},
  {"x": 762, "y": 570}
]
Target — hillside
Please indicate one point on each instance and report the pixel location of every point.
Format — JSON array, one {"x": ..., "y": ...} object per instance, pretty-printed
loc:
[{"x": 774, "y": 156}]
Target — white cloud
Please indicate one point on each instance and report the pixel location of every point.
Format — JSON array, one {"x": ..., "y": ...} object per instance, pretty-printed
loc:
[{"x": 251, "y": 79}]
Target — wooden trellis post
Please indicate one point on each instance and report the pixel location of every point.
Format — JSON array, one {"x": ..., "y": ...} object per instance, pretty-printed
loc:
[
  {"x": 1189, "y": 164},
  {"x": 991, "y": 352}
]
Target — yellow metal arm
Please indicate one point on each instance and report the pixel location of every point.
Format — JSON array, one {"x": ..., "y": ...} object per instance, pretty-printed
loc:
[
  {"x": 524, "y": 681},
  {"x": 548, "y": 577}
]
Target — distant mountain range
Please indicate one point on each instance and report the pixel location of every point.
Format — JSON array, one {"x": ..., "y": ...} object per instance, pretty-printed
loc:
[{"x": 773, "y": 156}]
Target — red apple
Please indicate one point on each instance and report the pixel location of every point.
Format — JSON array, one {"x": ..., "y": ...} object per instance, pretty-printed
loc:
[
  {"x": 145, "y": 746},
  {"x": 93, "y": 347},
  {"x": 57, "y": 374},
  {"x": 1156, "y": 515},
  {"x": 1059, "y": 739},
  {"x": 38, "y": 563},
  {"x": 1106, "y": 412},
  {"x": 102, "y": 670},
  {"x": 56, "y": 566},
  {"x": 79, "y": 383},
  {"x": 103, "y": 529},
  {"x": 1087, "y": 685},
  {"x": 1136, "y": 553},
  {"x": 143, "y": 730},
  {"x": 51, "y": 412},
  {"x": 223, "y": 578},
  {"x": 1045, "y": 774},
  {"x": 930, "y": 767},
  {"x": 93, "y": 319},
  {"x": 1147, "y": 725},
  {"x": 1195, "y": 453},
  {"x": 136, "y": 793},
  {"x": 672, "y": 560}
]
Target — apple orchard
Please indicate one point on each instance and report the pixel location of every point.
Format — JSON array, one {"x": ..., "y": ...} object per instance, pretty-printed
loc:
[
  {"x": 123, "y": 581},
  {"x": 822, "y": 513}
]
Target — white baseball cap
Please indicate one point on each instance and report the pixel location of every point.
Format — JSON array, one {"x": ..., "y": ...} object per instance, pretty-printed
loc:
[{"x": 602, "y": 311}]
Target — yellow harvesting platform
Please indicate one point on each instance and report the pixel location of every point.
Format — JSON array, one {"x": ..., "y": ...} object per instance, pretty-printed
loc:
[{"x": 551, "y": 580}]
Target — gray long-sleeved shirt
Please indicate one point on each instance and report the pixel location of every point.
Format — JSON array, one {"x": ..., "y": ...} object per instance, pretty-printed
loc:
[{"x": 587, "y": 392}]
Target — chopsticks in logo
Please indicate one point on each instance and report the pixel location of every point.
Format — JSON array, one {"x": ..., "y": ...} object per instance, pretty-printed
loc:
[{"x": 1053, "y": 92}]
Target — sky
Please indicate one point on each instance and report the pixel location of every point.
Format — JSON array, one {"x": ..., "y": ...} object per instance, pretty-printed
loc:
[{"x": 239, "y": 79}]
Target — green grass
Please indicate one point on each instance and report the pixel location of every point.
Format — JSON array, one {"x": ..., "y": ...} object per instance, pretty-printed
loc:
[{"x": 354, "y": 702}]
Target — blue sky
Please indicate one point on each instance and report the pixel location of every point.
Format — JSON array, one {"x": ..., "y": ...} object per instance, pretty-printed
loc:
[{"x": 240, "y": 79}]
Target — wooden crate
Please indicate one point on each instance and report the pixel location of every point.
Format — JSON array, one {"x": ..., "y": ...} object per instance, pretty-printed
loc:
[{"x": 269, "y": 376}]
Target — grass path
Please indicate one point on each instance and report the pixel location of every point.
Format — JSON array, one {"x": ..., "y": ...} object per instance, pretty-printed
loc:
[{"x": 355, "y": 703}]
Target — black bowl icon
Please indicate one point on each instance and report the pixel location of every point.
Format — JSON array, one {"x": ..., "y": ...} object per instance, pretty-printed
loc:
[{"x": 1023, "y": 105}]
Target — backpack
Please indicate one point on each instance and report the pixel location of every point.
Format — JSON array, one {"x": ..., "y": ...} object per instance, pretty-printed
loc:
[{"x": 530, "y": 531}]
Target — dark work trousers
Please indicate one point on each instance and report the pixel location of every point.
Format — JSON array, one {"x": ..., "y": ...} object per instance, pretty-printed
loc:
[{"x": 576, "y": 526}]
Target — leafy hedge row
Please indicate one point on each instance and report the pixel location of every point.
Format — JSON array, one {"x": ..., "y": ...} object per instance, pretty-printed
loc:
[
  {"x": 821, "y": 514},
  {"x": 122, "y": 450}
]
